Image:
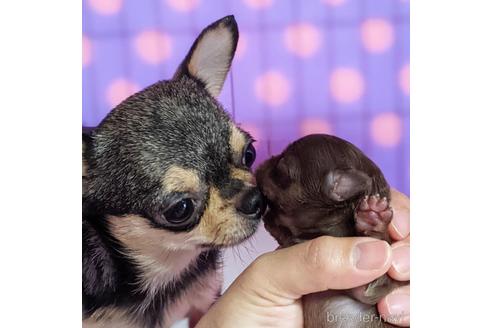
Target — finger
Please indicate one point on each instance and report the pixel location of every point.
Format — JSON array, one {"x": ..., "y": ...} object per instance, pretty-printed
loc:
[
  {"x": 395, "y": 307},
  {"x": 316, "y": 265},
  {"x": 399, "y": 227},
  {"x": 400, "y": 265}
]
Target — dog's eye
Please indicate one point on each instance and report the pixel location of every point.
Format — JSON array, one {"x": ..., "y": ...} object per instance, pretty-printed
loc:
[
  {"x": 249, "y": 155},
  {"x": 180, "y": 212}
]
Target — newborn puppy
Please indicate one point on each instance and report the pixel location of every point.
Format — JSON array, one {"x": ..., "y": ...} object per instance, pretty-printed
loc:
[{"x": 323, "y": 185}]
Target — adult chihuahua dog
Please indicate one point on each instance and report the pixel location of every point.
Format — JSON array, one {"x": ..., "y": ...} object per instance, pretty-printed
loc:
[{"x": 166, "y": 185}]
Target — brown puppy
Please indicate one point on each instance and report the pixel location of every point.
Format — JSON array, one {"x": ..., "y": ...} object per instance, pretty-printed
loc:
[{"x": 323, "y": 185}]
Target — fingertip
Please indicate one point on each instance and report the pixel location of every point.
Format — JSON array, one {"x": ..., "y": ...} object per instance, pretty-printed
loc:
[
  {"x": 399, "y": 227},
  {"x": 400, "y": 266},
  {"x": 341, "y": 263},
  {"x": 395, "y": 307}
]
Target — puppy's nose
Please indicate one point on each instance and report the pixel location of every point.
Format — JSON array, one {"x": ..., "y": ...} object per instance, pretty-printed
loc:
[{"x": 252, "y": 204}]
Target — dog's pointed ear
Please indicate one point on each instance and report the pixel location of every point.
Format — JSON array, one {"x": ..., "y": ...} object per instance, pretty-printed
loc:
[
  {"x": 210, "y": 57},
  {"x": 342, "y": 184}
]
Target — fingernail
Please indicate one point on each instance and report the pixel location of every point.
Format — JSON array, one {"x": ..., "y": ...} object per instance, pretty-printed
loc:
[
  {"x": 401, "y": 222},
  {"x": 371, "y": 255},
  {"x": 398, "y": 306},
  {"x": 401, "y": 259}
]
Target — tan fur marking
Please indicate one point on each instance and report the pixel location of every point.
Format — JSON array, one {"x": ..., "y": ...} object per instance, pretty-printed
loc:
[
  {"x": 178, "y": 179},
  {"x": 108, "y": 317},
  {"x": 137, "y": 233},
  {"x": 237, "y": 140},
  {"x": 221, "y": 224},
  {"x": 243, "y": 175},
  {"x": 163, "y": 255}
]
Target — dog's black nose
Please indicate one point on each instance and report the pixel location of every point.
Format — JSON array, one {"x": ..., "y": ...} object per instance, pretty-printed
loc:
[{"x": 252, "y": 204}]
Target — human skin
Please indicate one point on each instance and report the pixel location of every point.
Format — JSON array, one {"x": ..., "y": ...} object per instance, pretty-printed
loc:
[
  {"x": 268, "y": 293},
  {"x": 397, "y": 303}
]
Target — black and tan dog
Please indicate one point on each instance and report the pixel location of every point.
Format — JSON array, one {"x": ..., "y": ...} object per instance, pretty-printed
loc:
[
  {"x": 321, "y": 185},
  {"x": 166, "y": 185}
]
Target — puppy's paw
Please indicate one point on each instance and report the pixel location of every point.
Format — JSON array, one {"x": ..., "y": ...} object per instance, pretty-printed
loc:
[{"x": 372, "y": 216}]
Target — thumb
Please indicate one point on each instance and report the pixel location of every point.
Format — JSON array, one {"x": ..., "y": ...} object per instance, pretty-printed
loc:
[{"x": 284, "y": 275}]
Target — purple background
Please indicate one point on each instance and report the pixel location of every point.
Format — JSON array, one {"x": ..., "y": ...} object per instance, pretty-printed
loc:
[{"x": 346, "y": 72}]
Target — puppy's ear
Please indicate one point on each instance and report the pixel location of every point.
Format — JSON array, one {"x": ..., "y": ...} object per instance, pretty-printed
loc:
[
  {"x": 343, "y": 184},
  {"x": 210, "y": 57}
]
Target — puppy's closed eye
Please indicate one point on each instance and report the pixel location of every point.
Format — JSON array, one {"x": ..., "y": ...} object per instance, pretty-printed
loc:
[{"x": 284, "y": 172}]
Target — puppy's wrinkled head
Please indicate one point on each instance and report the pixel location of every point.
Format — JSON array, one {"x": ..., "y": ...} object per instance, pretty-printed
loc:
[
  {"x": 312, "y": 184},
  {"x": 168, "y": 165}
]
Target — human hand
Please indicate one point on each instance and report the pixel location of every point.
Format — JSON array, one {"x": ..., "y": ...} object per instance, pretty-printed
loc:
[
  {"x": 395, "y": 307},
  {"x": 268, "y": 293}
]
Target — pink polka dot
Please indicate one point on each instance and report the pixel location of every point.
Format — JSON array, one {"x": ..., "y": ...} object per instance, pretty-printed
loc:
[
  {"x": 183, "y": 5},
  {"x": 86, "y": 51},
  {"x": 404, "y": 79},
  {"x": 377, "y": 35},
  {"x": 119, "y": 90},
  {"x": 346, "y": 85},
  {"x": 302, "y": 39},
  {"x": 258, "y": 4},
  {"x": 106, "y": 7},
  {"x": 273, "y": 88},
  {"x": 386, "y": 129},
  {"x": 334, "y": 2},
  {"x": 242, "y": 44},
  {"x": 153, "y": 46},
  {"x": 314, "y": 125}
]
